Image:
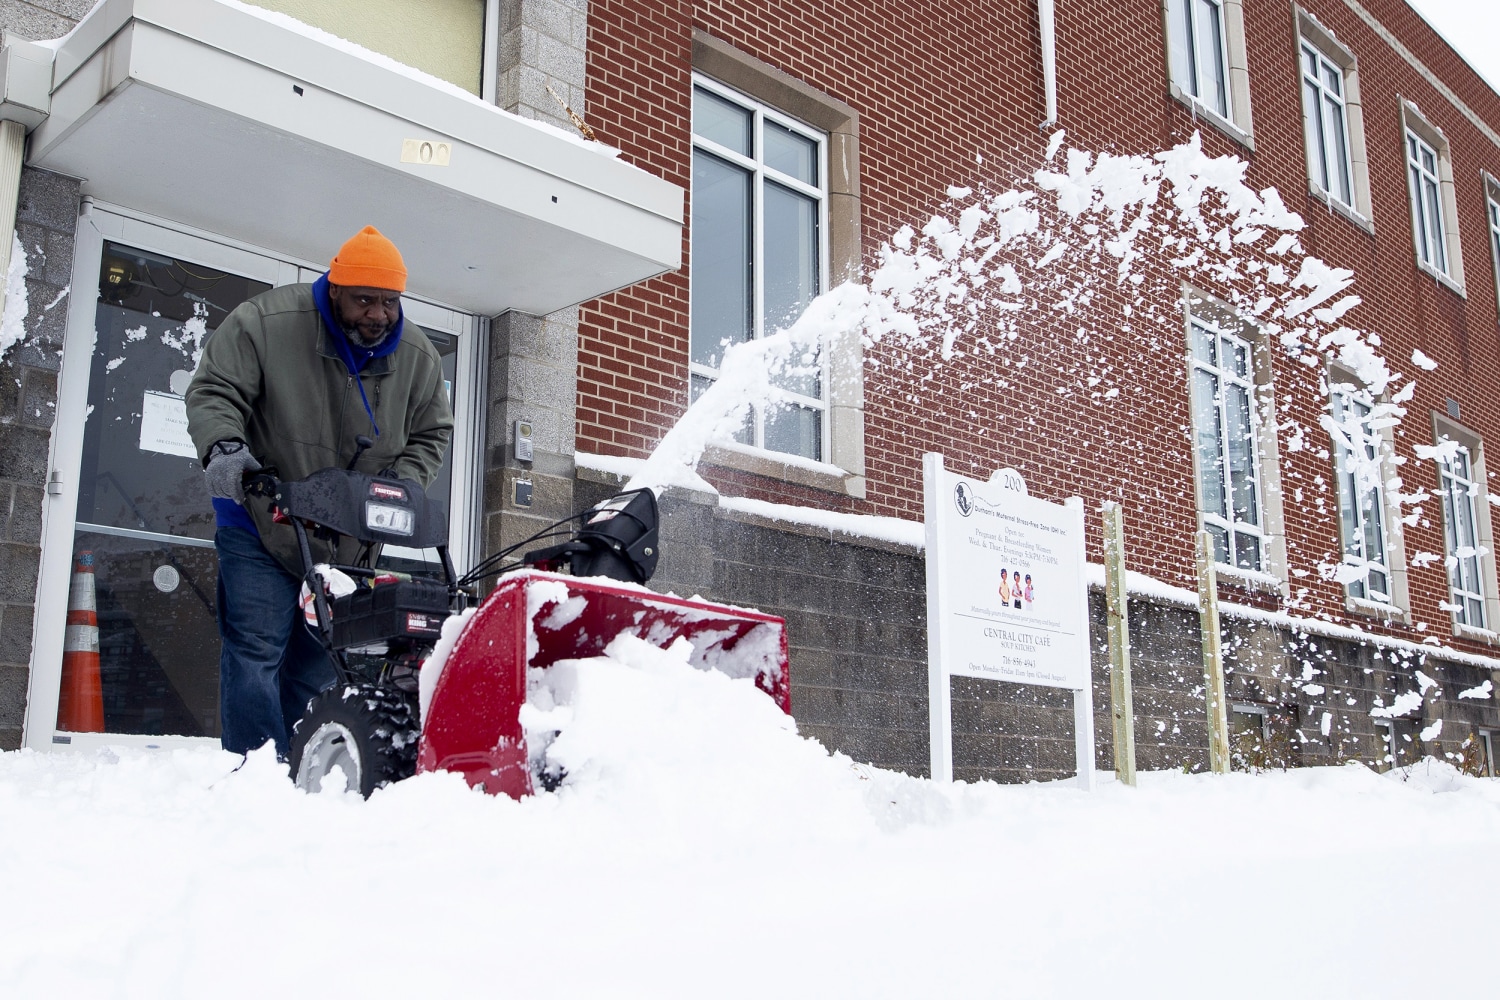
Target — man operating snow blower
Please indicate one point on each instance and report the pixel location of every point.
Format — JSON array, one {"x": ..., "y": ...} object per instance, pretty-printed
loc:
[{"x": 287, "y": 384}]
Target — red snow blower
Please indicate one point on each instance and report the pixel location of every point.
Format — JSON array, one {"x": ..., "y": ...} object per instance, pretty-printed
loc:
[{"x": 565, "y": 601}]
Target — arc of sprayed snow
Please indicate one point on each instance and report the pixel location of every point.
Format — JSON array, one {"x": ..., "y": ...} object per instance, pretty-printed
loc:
[{"x": 746, "y": 378}]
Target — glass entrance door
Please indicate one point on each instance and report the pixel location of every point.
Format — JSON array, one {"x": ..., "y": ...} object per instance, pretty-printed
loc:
[
  {"x": 144, "y": 524},
  {"x": 130, "y": 551}
]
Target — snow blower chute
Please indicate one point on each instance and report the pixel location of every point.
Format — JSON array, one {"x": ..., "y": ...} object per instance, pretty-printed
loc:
[{"x": 565, "y": 601}]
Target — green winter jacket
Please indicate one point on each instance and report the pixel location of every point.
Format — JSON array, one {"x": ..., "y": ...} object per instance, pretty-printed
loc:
[{"x": 271, "y": 375}]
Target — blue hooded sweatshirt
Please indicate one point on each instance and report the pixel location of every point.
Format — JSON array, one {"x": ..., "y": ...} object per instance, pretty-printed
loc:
[{"x": 227, "y": 513}]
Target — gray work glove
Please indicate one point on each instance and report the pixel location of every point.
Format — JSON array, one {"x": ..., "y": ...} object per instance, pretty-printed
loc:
[{"x": 228, "y": 461}]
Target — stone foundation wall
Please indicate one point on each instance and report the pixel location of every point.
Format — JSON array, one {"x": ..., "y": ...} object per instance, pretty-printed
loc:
[{"x": 856, "y": 619}]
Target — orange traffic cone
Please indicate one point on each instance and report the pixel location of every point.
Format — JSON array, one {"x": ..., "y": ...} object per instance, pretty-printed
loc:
[{"x": 80, "y": 704}]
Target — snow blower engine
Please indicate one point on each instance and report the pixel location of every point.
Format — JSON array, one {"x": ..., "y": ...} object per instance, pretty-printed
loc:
[{"x": 384, "y": 719}]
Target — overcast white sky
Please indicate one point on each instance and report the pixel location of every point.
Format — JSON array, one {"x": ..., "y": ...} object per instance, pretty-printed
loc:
[{"x": 1470, "y": 26}]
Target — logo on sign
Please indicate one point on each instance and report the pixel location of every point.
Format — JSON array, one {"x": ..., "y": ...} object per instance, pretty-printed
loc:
[
  {"x": 385, "y": 492},
  {"x": 963, "y": 499}
]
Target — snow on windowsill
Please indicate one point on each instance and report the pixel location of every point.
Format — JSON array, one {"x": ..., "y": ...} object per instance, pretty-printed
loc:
[
  {"x": 1218, "y": 121},
  {"x": 1484, "y": 635},
  {"x": 1376, "y": 609},
  {"x": 1445, "y": 280},
  {"x": 1140, "y": 585},
  {"x": 1337, "y": 207},
  {"x": 1248, "y": 579},
  {"x": 782, "y": 458}
]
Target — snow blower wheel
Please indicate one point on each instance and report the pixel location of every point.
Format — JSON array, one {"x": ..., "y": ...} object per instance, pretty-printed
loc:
[{"x": 369, "y": 733}]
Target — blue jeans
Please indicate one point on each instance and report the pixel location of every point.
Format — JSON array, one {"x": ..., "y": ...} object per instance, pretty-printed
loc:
[{"x": 270, "y": 663}]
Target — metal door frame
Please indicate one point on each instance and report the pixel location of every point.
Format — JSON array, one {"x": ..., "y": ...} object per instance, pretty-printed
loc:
[{"x": 97, "y": 223}]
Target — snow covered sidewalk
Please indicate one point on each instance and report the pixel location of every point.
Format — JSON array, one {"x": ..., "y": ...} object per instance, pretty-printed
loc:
[{"x": 701, "y": 849}]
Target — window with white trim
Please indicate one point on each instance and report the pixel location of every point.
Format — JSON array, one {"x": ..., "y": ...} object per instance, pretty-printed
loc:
[
  {"x": 1429, "y": 180},
  {"x": 1361, "y": 495},
  {"x": 1225, "y": 432},
  {"x": 1325, "y": 116},
  {"x": 1489, "y": 740},
  {"x": 1426, "y": 202},
  {"x": 1492, "y": 213},
  {"x": 1333, "y": 124},
  {"x": 759, "y": 210},
  {"x": 1398, "y": 738},
  {"x": 1200, "y": 52},
  {"x": 1463, "y": 548},
  {"x": 1207, "y": 62}
]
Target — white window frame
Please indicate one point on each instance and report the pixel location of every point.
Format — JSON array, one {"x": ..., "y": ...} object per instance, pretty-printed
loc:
[
  {"x": 1385, "y": 731},
  {"x": 1313, "y": 38},
  {"x": 1489, "y": 740},
  {"x": 1372, "y": 433},
  {"x": 760, "y": 173},
  {"x": 1358, "y": 500},
  {"x": 1202, "y": 310},
  {"x": 1454, "y": 490},
  {"x": 1426, "y": 186},
  {"x": 1225, "y": 375},
  {"x": 1325, "y": 110},
  {"x": 1432, "y": 200},
  {"x": 1492, "y": 216},
  {"x": 1186, "y": 64}
]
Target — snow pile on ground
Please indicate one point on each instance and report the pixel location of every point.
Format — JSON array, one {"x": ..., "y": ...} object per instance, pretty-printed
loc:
[{"x": 700, "y": 847}]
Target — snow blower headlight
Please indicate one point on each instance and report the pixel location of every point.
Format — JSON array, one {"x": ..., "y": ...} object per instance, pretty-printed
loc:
[{"x": 389, "y": 519}]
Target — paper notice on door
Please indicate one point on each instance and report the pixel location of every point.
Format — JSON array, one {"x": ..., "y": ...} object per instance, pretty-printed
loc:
[{"x": 164, "y": 425}]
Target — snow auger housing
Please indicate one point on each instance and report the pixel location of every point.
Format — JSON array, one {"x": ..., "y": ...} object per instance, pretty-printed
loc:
[
  {"x": 534, "y": 619},
  {"x": 368, "y": 725}
]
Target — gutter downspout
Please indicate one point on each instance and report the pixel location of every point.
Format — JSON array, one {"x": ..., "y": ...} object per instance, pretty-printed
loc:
[
  {"x": 489, "y": 75},
  {"x": 25, "y": 99},
  {"x": 1046, "y": 21},
  {"x": 12, "y": 153}
]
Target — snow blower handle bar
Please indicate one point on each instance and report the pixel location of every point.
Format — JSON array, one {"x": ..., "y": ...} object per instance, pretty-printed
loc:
[
  {"x": 264, "y": 482},
  {"x": 617, "y": 539}
]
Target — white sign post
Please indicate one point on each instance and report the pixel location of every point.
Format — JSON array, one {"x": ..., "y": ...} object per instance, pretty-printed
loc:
[{"x": 1006, "y": 599}]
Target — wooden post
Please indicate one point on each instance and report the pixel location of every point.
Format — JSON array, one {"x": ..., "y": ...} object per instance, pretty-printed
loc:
[
  {"x": 1213, "y": 658},
  {"x": 1118, "y": 617}
]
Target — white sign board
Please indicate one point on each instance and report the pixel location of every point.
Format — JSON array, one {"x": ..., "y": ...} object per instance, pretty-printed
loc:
[
  {"x": 1006, "y": 597},
  {"x": 164, "y": 425}
]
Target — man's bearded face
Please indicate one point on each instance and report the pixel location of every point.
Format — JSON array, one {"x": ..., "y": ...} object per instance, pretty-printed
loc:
[{"x": 370, "y": 312}]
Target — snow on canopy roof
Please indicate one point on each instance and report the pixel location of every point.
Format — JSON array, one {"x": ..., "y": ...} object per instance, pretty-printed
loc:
[
  {"x": 331, "y": 40},
  {"x": 412, "y": 73}
]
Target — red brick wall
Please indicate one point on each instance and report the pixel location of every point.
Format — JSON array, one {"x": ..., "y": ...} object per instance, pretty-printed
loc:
[{"x": 937, "y": 84}]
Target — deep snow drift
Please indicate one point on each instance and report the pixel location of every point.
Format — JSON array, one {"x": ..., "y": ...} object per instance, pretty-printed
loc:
[{"x": 700, "y": 848}]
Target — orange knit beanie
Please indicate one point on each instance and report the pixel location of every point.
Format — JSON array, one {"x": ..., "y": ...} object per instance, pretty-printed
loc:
[{"x": 368, "y": 260}]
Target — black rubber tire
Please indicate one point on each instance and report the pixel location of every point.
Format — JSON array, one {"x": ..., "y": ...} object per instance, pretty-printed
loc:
[{"x": 370, "y": 732}]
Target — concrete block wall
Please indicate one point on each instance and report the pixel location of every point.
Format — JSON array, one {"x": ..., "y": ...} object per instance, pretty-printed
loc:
[
  {"x": 46, "y": 217},
  {"x": 857, "y": 626},
  {"x": 533, "y": 360},
  {"x": 542, "y": 43},
  {"x": 41, "y": 19}
]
